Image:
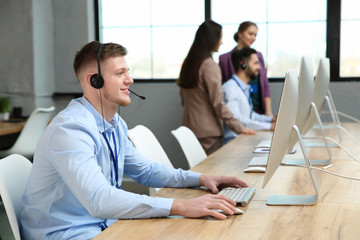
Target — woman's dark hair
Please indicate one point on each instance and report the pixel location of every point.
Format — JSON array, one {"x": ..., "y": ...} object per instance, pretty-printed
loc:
[
  {"x": 242, "y": 28},
  {"x": 207, "y": 37}
]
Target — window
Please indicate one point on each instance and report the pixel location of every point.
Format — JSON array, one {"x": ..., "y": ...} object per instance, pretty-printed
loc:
[
  {"x": 157, "y": 33},
  {"x": 349, "y": 42},
  {"x": 287, "y": 30}
]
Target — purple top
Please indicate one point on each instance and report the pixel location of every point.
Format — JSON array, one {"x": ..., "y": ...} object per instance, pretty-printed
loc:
[{"x": 227, "y": 70}]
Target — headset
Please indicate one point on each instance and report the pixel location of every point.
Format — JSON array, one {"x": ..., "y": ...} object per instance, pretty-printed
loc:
[
  {"x": 243, "y": 66},
  {"x": 97, "y": 80}
]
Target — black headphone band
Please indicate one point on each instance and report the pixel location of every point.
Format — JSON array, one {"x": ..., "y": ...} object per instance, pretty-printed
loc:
[{"x": 98, "y": 58}]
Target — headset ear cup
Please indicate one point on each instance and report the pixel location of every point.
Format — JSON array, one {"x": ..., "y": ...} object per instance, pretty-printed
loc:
[
  {"x": 97, "y": 81},
  {"x": 243, "y": 66}
]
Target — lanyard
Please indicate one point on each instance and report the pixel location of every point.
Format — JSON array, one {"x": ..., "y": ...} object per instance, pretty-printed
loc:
[
  {"x": 248, "y": 96},
  {"x": 114, "y": 158}
]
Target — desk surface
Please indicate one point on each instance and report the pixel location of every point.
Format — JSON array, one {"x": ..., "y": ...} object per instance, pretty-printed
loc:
[
  {"x": 11, "y": 127},
  {"x": 335, "y": 215}
]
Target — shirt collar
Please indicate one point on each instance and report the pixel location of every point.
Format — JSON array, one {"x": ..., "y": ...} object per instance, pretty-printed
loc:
[
  {"x": 101, "y": 123},
  {"x": 245, "y": 87}
]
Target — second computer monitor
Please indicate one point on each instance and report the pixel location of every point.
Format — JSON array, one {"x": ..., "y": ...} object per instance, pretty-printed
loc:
[
  {"x": 306, "y": 106},
  {"x": 321, "y": 86},
  {"x": 306, "y": 95}
]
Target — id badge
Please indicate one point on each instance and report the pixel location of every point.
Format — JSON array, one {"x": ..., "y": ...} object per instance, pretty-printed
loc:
[{"x": 254, "y": 88}]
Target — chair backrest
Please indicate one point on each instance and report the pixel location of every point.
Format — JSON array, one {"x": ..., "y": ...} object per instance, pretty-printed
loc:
[
  {"x": 25, "y": 144},
  {"x": 147, "y": 144},
  {"x": 190, "y": 145},
  {"x": 14, "y": 174}
]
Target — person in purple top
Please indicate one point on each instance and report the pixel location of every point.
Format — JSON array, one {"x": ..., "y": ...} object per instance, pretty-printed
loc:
[{"x": 260, "y": 89}]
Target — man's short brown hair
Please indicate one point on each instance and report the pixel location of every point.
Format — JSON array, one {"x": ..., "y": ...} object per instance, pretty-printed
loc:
[{"x": 89, "y": 53}]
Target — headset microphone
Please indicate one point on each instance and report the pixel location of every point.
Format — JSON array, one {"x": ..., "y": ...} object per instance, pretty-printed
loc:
[{"x": 142, "y": 97}]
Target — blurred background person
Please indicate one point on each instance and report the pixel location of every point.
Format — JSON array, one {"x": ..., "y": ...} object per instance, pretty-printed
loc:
[
  {"x": 260, "y": 89},
  {"x": 200, "y": 90},
  {"x": 237, "y": 93}
]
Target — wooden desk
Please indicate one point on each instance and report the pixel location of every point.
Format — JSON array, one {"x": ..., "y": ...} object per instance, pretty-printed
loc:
[
  {"x": 11, "y": 127},
  {"x": 335, "y": 216}
]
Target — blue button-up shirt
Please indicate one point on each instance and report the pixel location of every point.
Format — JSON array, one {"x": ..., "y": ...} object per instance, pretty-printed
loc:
[
  {"x": 237, "y": 98},
  {"x": 71, "y": 192}
]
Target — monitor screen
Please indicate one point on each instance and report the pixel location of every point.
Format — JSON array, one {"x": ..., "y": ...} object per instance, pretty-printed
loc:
[
  {"x": 306, "y": 101},
  {"x": 284, "y": 124},
  {"x": 321, "y": 86},
  {"x": 306, "y": 95}
]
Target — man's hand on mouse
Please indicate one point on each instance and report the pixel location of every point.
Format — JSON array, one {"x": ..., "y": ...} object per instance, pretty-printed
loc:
[{"x": 206, "y": 205}]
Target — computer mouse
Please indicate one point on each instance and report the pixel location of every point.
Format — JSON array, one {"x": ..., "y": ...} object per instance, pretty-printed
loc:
[
  {"x": 239, "y": 211},
  {"x": 255, "y": 169}
]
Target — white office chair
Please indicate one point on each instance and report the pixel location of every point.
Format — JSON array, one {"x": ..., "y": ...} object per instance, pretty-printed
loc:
[
  {"x": 26, "y": 142},
  {"x": 14, "y": 173},
  {"x": 190, "y": 145},
  {"x": 147, "y": 144}
]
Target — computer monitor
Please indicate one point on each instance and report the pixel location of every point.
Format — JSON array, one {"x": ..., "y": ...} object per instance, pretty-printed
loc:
[
  {"x": 285, "y": 125},
  {"x": 321, "y": 86},
  {"x": 306, "y": 95},
  {"x": 305, "y": 108}
]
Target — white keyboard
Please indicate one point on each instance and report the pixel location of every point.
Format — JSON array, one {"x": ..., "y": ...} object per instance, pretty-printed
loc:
[
  {"x": 264, "y": 144},
  {"x": 263, "y": 160},
  {"x": 258, "y": 161},
  {"x": 239, "y": 195}
]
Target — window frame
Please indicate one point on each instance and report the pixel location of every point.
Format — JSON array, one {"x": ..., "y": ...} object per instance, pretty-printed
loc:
[{"x": 333, "y": 31}]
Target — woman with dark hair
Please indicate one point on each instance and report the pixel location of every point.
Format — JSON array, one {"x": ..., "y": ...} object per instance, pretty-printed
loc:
[
  {"x": 260, "y": 89},
  {"x": 200, "y": 90}
]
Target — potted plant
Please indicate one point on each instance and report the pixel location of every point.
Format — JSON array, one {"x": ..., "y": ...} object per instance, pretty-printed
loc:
[{"x": 4, "y": 108}]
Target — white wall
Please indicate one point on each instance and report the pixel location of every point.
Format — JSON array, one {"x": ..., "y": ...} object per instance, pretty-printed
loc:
[{"x": 38, "y": 43}]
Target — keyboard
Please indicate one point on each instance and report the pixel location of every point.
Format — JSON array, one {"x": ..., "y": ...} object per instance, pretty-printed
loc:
[
  {"x": 241, "y": 196},
  {"x": 258, "y": 161},
  {"x": 262, "y": 161},
  {"x": 264, "y": 144}
]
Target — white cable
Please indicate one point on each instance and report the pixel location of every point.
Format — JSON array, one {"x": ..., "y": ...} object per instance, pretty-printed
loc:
[
  {"x": 351, "y": 136},
  {"x": 317, "y": 138},
  {"x": 326, "y": 171},
  {"x": 335, "y": 174},
  {"x": 343, "y": 129},
  {"x": 348, "y": 116},
  {"x": 343, "y": 115},
  {"x": 343, "y": 148}
]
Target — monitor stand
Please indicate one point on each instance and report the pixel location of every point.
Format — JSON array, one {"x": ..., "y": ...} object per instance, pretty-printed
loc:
[
  {"x": 335, "y": 124},
  {"x": 320, "y": 162},
  {"x": 293, "y": 200}
]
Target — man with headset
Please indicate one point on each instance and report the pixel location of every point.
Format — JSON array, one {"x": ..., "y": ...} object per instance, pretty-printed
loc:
[
  {"x": 74, "y": 189},
  {"x": 237, "y": 93}
]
